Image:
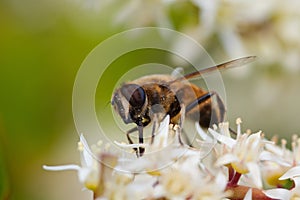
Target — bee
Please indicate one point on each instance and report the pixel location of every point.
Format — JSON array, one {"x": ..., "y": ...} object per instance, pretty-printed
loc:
[{"x": 151, "y": 98}]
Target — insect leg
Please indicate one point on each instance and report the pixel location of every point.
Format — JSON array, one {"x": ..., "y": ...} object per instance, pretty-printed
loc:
[
  {"x": 128, "y": 134},
  {"x": 183, "y": 111},
  {"x": 232, "y": 131},
  {"x": 222, "y": 108},
  {"x": 186, "y": 138},
  {"x": 139, "y": 151},
  {"x": 128, "y": 137},
  {"x": 200, "y": 100},
  {"x": 154, "y": 128},
  {"x": 141, "y": 141},
  {"x": 211, "y": 114}
]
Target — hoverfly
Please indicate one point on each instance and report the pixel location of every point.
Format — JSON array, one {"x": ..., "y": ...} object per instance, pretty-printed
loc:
[{"x": 151, "y": 98}]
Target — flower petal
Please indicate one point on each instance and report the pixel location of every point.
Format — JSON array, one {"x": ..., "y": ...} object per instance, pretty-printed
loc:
[
  {"x": 278, "y": 193},
  {"x": 297, "y": 182},
  {"x": 274, "y": 149},
  {"x": 202, "y": 134},
  {"x": 255, "y": 174},
  {"x": 248, "y": 195},
  {"x": 161, "y": 137},
  {"x": 291, "y": 173},
  {"x": 61, "y": 167},
  {"x": 221, "y": 180},
  {"x": 267, "y": 156},
  {"x": 86, "y": 154},
  {"x": 129, "y": 146},
  {"x": 226, "y": 159},
  {"x": 223, "y": 139}
]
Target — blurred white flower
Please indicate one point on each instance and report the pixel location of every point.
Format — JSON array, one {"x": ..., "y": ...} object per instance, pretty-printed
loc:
[
  {"x": 227, "y": 28},
  {"x": 137, "y": 13},
  {"x": 271, "y": 33},
  {"x": 88, "y": 172}
]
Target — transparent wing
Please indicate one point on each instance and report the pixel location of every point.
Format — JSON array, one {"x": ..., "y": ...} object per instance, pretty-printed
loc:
[{"x": 230, "y": 64}]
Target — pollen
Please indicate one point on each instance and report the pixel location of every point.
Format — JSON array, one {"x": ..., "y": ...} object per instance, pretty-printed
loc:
[
  {"x": 238, "y": 121},
  {"x": 80, "y": 146},
  {"x": 99, "y": 143},
  {"x": 91, "y": 186},
  {"x": 240, "y": 167},
  {"x": 154, "y": 173}
]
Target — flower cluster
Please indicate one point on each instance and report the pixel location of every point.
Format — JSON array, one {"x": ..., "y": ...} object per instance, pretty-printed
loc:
[
  {"x": 245, "y": 166},
  {"x": 272, "y": 32}
]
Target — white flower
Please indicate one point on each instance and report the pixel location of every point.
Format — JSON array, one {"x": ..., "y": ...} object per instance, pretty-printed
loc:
[
  {"x": 181, "y": 184},
  {"x": 242, "y": 153},
  {"x": 186, "y": 180},
  {"x": 164, "y": 152},
  {"x": 272, "y": 32},
  {"x": 284, "y": 156},
  {"x": 176, "y": 168},
  {"x": 293, "y": 194},
  {"x": 279, "y": 160},
  {"x": 170, "y": 170},
  {"x": 140, "y": 13},
  {"x": 88, "y": 172}
]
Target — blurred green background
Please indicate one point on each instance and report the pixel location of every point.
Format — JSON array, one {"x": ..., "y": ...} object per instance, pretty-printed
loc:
[{"x": 43, "y": 44}]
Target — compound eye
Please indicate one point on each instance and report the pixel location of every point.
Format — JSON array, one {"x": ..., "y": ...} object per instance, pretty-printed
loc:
[
  {"x": 114, "y": 99},
  {"x": 134, "y": 94}
]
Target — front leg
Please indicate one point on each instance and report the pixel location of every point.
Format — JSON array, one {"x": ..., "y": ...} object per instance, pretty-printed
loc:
[
  {"x": 128, "y": 134},
  {"x": 139, "y": 151}
]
